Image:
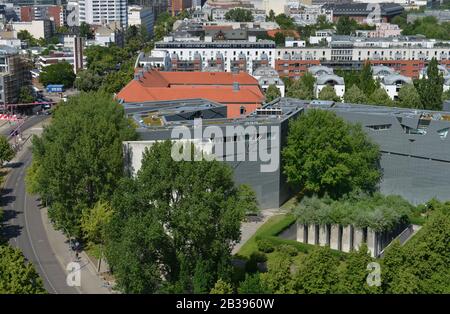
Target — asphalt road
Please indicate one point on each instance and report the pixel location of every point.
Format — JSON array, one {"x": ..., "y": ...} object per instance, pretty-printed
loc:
[
  {"x": 30, "y": 122},
  {"x": 23, "y": 226}
]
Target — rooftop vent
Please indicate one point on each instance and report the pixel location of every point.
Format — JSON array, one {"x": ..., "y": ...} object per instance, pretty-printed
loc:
[{"x": 236, "y": 86}]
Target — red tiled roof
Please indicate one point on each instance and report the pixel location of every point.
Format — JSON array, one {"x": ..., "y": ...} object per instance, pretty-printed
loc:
[
  {"x": 215, "y": 86},
  {"x": 166, "y": 79},
  {"x": 135, "y": 92}
]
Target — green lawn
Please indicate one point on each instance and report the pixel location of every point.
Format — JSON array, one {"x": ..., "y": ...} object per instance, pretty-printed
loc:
[
  {"x": 270, "y": 230},
  {"x": 270, "y": 227}
]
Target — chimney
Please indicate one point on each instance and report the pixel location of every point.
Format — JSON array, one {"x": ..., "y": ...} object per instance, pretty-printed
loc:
[{"x": 236, "y": 86}]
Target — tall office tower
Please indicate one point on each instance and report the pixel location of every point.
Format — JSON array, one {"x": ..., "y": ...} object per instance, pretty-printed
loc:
[
  {"x": 158, "y": 6},
  {"x": 100, "y": 12}
]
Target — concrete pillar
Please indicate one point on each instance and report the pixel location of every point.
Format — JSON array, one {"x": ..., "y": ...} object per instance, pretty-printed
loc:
[
  {"x": 323, "y": 235},
  {"x": 346, "y": 240},
  {"x": 334, "y": 237},
  {"x": 357, "y": 238},
  {"x": 311, "y": 234},
  {"x": 372, "y": 242},
  {"x": 301, "y": 232}
]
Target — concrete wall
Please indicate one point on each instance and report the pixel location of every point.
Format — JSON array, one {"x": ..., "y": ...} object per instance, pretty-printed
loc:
[{"x": 347, "y": 238}]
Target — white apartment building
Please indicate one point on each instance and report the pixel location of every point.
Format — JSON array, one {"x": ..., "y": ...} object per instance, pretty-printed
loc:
[
  {"x": 325, "y": 77},
  {"x": 138, "y": 16},
  {"x": 101, "y": 12},
  {"x": 392, "y": 84},
  {"x": 250, "y": 53}
]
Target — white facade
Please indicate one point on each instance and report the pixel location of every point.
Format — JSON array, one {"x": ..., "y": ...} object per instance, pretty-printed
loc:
[
  {"x": 100, "y": 12},
  {"x": 253, "y": 51},
  {"x": 267, "y": 76},
  {"x": 37, "y": 28},
  {"x": 138, "y": 16},
  {"x": 291, "y": 42},
  {"x": 392, "y": 84},
  {"x": 307, "y": 14}
]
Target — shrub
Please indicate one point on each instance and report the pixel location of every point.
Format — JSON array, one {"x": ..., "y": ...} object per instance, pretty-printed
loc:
[
  {"x": 288, "y": 249},
  {"x": 252, "y": 265},
  {"x": 265, "y": 246}
]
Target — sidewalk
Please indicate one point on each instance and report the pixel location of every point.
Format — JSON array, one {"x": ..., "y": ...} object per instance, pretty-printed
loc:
[{"x": 91, "y": 283}]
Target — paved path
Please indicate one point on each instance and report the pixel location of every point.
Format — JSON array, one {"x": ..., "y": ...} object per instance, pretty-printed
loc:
[
  {"x": 249, "y": 228},
  {"x": 27, "y": 227}
]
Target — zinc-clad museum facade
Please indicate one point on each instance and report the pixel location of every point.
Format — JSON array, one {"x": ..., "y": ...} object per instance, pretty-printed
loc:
[{"x": 414, "y": 144}]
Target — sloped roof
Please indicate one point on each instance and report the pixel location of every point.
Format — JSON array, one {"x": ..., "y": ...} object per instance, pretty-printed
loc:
[
  {"x": 325, "y": 78},
  {"x": 135, "y": 92},
  {"x": 392, "y": 79}
]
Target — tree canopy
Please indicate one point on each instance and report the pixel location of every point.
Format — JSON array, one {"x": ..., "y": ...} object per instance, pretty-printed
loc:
[
  {"x": 272, "y": 93},
  {"x": 154, "y": 244},
  {"x": 354, "y": 95},
  {"x": 430, "y": 87},
  {"x": 77, "y": 162},
  {"x": 239, "y": 15},
  {"x": 17, "y": 276},
  {"x": 6, "y": 151},
  {"x": 328, "y": 93},
  {"x": 303, "y": 88},
  {"x": 324, "y": 154},
  {"x": 408, "y": 97},
  {"x": 58, "y": 73}
]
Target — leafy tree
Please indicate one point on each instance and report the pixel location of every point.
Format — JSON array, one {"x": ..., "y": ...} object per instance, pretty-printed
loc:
[
  {"x": 408, "y": 97},
  {"x": 26, "y": 95},
  {"x": 239, "y": 15},
  {"x": 324, "y": 154},
  {"x": 24, "y": 35},
  {"x": 278, "y": 278},
  {"x": 17, "y": 276},
  {"x": 95, "y": 220},
  {"x": 272, "y": 93},
  {"x": 354, "y": 276},
  {"x": 6, "y": 151},
  {"x": 279, "y": 39},
  {"x": 284, "y": 21},
  {"x": 346, "y": 26},
  {"x": 302, "y": 88},
  {"x": 222, "y": 287},
  {"x": 354, "y": 95},
  {"x": 328, "y": 93},
  {"x": 318, "y": 272},
  {"x": 252, "y": 285},
  {"x": 428, "y": 26},
  {"x": 430, "y": 88},
  {"x": 79, "y": 162},
  {"x": 380, "y": 97},
  {"x": 85, "y": 30},
  {"x": 88, "y": 80},
  {"x": 62, "y": 29},
  {"x": 170, "y": 193},
  {"x": 58, "y": 73},
  {"x": 247, "y": 197},
  {"x": 271, "y": 16},
  {"x": 366, "y": 82}
]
